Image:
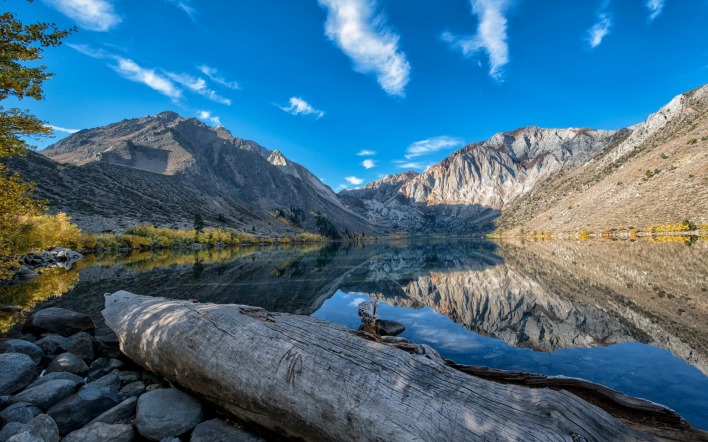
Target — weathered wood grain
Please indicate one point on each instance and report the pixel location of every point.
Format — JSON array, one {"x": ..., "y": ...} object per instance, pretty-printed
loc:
[{"x": 307, "y": 378}]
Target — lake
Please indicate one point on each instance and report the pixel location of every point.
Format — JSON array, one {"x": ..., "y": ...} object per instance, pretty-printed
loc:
[{"x": 632, "y": 315}]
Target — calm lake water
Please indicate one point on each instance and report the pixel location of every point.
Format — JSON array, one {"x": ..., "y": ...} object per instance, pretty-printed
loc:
[{"x": 629, "y": 315}]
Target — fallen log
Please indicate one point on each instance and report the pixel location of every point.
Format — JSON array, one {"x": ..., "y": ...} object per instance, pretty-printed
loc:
[{"x": 310, "y": 379}]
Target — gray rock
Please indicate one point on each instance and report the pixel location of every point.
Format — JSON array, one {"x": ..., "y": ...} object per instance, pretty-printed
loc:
[
  {"x": 10, "y": 430},
  {"x": 80, "y": 344},
  {"x": 51, "y": 344},
  {"x": 170, "y": 439},
  {"x": 78, "y": 409},
  {"x": 108, "y": 345},
  {"x": 60, "y": 321},
  {"x": 16, "y": 372},
  {"x": 21, "y": 412},
  {"x": 47, "y": 394},
  {"x": 109, "y": 380},
  {"x": 102, "y": 366},
  {"x": 386, "y": 327},
  {"x": 5, "y": 401},
  {"x": 129, "y": 376},
  {"x": 122, "y": 412},
  {"x": 103, "y": 432},
  {"x": 55, "y": 376},
  {"x": 216, "y": 430},
  {"x": 133, "y": 389},
  {"x": 68, "y": 362},
  {"x": 40, "y": 429},
  {"x": 26, "y": 347},
  {"x": 167, "y": 412}
]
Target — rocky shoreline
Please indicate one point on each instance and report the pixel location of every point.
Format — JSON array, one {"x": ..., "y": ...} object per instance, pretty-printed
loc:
[
  {"x": 53, "y": 258},
  {"x": 59, "y": 381}
]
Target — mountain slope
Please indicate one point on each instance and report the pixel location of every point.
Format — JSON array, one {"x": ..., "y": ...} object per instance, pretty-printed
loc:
[
  {"x": 164, "y": 169},
  {"x": 656, "y": 174},
  {"x": 557, "y": 179}
]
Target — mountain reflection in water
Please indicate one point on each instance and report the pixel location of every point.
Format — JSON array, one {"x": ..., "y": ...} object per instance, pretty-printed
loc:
[{"x": 553, "y": 305}]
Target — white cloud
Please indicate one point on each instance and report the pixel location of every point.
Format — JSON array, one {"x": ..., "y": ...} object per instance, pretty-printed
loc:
[
  {"x": 366, "y": 153},
  {"x": 94, "y": 15},
  {"x": 207, "y": 116},
  {"x": 298, "y": 106},
  {"x": 62, "y": 129},
  {"x": 491, "y": 36},
  {"x": 198, "y": 86},
  {"x": 341, "y": 187},
  {"x": 599, "y": 30},
  {"x": 430, "y": 145},
  {"x": 368, "y": 163},
  {"x": 130, "y": 70},
  {"x": 410, "y": 165},
  {"x": 214, "y": 76},
  {"x": 354, "y": 180},
  {"x": 186, "y": 6},
  {"x": 655, "y": 7},
  {"x": 373, "y": 47}
]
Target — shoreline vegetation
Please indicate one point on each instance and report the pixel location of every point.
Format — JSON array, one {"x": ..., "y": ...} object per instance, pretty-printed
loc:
[{"x": 684, "y": 231}]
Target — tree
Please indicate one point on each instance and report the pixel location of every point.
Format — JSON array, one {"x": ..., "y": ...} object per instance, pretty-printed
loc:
[
  {"x": 198, "y": 225},
  {"x": 20, "y": 46}
]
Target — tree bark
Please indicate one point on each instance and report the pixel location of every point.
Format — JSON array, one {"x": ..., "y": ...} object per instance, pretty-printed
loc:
[{"x": 311, "y": 379}]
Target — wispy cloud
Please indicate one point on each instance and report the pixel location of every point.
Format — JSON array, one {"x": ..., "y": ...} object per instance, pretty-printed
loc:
[
  {"x": 341, "y": 187},
  {"x": 214, "y": 76},
  {"x": 298, "y": 106},
  {"x": 207, "y": 116},
  {"x": 655, "y": 8},
  {"x": 599, "y": 30},
  {"x": 130, "y": 70},
  {"x": 366, "y": 153},
  {"x": 354, "y": 180},
  {"x": 368, "y": 163},
  {"x": 94, "y": 15},
  {"x": 430, "y": 145},
  {"x": 186, "y": 6},
  {"x": 491, "y": 36},
  {"x": 363, "y": 35},
  {"x": 198, "y": 86},
  {"x": 62, "y": 129},
  {"x": 411, "y": 165}
]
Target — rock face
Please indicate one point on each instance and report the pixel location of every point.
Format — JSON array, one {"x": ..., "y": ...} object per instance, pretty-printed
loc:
[
  {"x": 16, "y": 372},
  {"x": 164, "y": 168},
  {"x": 166, "y": 412},
  {"x": 60, "y": 321},
  {"x": 554, "y": 177}
]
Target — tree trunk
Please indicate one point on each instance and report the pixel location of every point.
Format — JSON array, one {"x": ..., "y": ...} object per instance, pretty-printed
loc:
[{"x": 307, "y": 378}]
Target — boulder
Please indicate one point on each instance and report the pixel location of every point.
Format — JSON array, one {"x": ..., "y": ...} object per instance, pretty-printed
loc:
[
  {"x": 109, "y": 380},
  {"x": 107, "y": 345},
  {"x": 122, "y": 412},
  {"x": 21, "y": 412},
  {"x": 40, "y": 429},
  {"x": 103, "y": 432},
  {"x": 51, "y": 344},
  {"x": 80, "y": 344},
  {"x": 68, "y": 362},
  {"x": 60, "y": 321},
  {"x": 167, "y": 412},
  {"x": 55, "y": 376},
  {"x": 133, "y": 389},
  {"x": 387, "y": 327},
  {"x": 129, "y": 376},
  {"x": 46, "y": 394},
  {"x": 26, "y": 347},
  {"x": 10, "y": 429},
  {"x": 78, "y": 409},
  {"x": 16, "y": 372},
  {"x": 216, "y": 430},
  {"x": 102, "y": 366},
  {"x": 5, "y": 401}
]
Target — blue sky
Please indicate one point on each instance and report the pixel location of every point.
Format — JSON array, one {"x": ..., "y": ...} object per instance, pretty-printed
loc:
[{"x": 356, "y": 89}]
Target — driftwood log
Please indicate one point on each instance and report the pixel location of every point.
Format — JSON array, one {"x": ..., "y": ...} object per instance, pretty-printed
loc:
[{"x": 310, "y": 379}]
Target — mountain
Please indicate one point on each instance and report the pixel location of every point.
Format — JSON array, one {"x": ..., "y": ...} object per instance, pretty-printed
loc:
[
  {"x": 164, "y": 169},
  {"x": 557, "y": 179}
]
